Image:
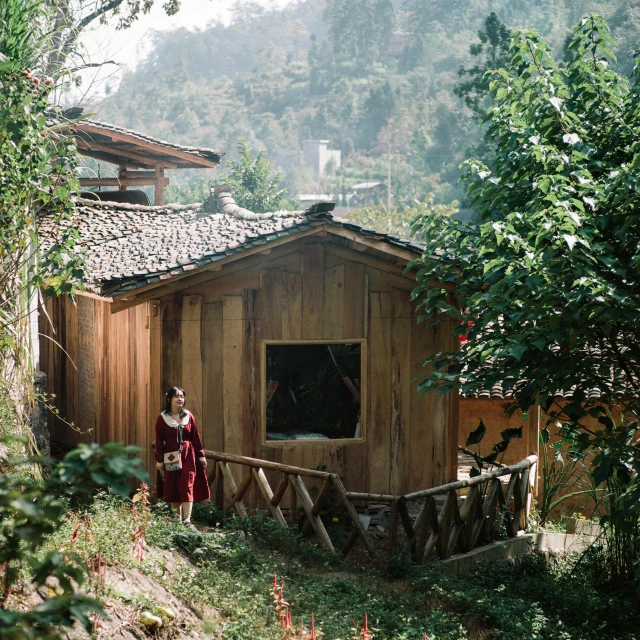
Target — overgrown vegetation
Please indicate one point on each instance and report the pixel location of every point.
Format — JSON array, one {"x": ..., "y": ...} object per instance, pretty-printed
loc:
[
  {"x": 232, "y": 572},
  {"x": 31, "y": 510},
  {"x": 36, "y": 173}
]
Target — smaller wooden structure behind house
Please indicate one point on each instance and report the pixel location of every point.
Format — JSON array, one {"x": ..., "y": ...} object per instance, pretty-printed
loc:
[
  {"x": 489, "y": 405},
  {"x": 141, "y": 160},
  {"x": 224, "y": 302}
]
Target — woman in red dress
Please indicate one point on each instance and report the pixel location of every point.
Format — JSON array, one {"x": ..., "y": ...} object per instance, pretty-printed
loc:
[{"x": 176, "y": 430}]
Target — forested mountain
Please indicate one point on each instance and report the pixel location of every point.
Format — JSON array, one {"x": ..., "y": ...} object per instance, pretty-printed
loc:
[{"x": 371, "y": 76}]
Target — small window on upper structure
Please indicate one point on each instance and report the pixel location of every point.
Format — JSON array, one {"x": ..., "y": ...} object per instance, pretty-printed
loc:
[{"x": 313, "y": 391}]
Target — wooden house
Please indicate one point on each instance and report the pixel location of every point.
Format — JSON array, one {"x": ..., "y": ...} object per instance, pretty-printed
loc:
[{"x": 292, "y": 333}]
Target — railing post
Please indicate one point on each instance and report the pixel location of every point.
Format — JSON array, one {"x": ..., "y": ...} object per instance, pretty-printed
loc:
[{"x": 393, "y": 527}]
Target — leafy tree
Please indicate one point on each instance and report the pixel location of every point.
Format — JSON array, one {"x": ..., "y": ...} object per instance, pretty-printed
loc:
[
  {"x": 360, "y": 30},
  {"x": 377, "y": 110},
  {"x": 400, "y": 219},
  {"x": 252, "y": 184},
  {"x": 36, "y": 173},
  {"x": 549, "y": 277},
  {"x": 424, "y": 17},
  {"x": 68, "y": 19},
  {"x": 30, "y": 511},
  {"x": 493, "y": 50}
]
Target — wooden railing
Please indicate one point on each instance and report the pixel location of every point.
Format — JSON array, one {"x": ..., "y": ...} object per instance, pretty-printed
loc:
[
  {"x": 462, "y": 522},
  {"x": 221, "y": 479},
  {"x": 447, "y": 522}
]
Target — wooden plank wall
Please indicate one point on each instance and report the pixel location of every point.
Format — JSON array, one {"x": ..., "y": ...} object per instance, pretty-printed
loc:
[
  {"x": 208, "y": 339},
  {"x": 102, "y": 383},
  {"x": 314, "y": 290}
]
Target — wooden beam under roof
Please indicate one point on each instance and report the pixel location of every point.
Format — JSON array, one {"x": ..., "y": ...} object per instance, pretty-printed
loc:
[
  {"x": 158, "y": 152},
  {"x": 120, "y": 155}
]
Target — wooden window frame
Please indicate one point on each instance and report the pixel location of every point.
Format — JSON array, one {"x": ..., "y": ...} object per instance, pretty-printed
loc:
[{"x": 364, "y": 395}]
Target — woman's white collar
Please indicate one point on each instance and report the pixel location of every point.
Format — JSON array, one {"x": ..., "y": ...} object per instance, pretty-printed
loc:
[{"x": 172, "y": 423}]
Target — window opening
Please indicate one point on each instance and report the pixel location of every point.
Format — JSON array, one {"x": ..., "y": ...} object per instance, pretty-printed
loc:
[{"x": 313, "y": 391}]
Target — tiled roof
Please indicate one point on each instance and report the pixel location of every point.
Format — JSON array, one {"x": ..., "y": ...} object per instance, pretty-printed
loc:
[
  {"x": 498, "y": 392},
  {"x": 129, "y": 246},
  {"x": 504, "y": 389},
  {"x": 208, "y": 154}
]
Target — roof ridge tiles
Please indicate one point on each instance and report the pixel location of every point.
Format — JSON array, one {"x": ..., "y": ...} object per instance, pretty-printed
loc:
[{"x": 106, "y": 204}]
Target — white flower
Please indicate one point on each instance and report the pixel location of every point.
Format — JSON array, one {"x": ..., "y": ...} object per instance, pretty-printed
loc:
[
  {"x": 571, "y": 138},
  {"x": 556, "y": 103}
]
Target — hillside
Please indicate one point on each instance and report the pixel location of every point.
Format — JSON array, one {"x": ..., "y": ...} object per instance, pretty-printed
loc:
[{"x": 371, "y": 76}]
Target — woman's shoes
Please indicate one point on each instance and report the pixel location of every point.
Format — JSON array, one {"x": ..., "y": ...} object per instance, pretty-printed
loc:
[{"x": 188, "y": 525}]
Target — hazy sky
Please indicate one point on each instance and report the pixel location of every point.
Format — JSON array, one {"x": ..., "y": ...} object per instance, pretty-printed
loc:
[{"x": 127, "y": 47}]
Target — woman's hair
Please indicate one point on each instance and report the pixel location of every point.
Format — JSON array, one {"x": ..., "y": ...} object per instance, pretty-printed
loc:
[{"x": 167, "y": 404}]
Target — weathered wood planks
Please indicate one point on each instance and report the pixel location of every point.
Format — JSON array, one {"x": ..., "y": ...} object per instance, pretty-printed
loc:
[{"x": 207, "y": 335}]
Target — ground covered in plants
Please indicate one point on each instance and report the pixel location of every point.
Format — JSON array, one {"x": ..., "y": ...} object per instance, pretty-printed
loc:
[{"x": 218, "y": 585}]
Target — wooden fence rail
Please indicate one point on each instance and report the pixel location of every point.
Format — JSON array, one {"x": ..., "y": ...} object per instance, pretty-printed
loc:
[
  {"x": 221, "y": 478},
  {"x": 461, "y": 522},
  {"x": 447, "y": 522}
]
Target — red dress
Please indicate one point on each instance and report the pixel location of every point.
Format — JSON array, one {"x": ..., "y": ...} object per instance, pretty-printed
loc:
[{"x": 189, "y": 484}]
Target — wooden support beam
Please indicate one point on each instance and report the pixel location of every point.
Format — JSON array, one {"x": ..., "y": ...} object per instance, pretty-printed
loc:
[
  {"x": 481, "y": 479},
  {"x": 489, "y": 503},
  {"x": 116, "y": 182},
  {"x": 317, "y": 505},
  {"x": 307, "y": 505},
  {"x": 457, "y": 527},
  {"x": 293, "y": 506},
  {"x": 232, "y": 490},
  {"x": 265, "y": 464},
  {"x": 121, "y": 175},
  {"x": 114, "y": 158},
  {"x": 470, "y": 511},
  {"x": 152, "y": 147},
  {"x": 441, "y": 527},
  {"x": 139, "y": 175},
  {"x": 211, "y": 478},
  {"x": 103, "y": 151},
  {"x": 424, "y": 519},
  {"x": 353, "y": 514},
  {"x": 265, "y": 490},
  {"x": 393, "y": 528},
  {"x": 219, "y": 495},
  {"x": 350, "y": 541},
  {"x": 406, "y": 520},
  {"x": 242, "y": 489},
  {"x": 370, "y": 497},
  {"x": 160, "y": 184},
  {"x": 280, "y": 489}
]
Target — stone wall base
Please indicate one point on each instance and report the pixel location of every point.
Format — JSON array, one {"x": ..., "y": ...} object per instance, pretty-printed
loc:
[{"x": 548, "y": 544}]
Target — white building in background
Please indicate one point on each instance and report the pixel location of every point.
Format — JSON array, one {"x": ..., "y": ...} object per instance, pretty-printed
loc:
[{"x": 316, "y": 154}]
